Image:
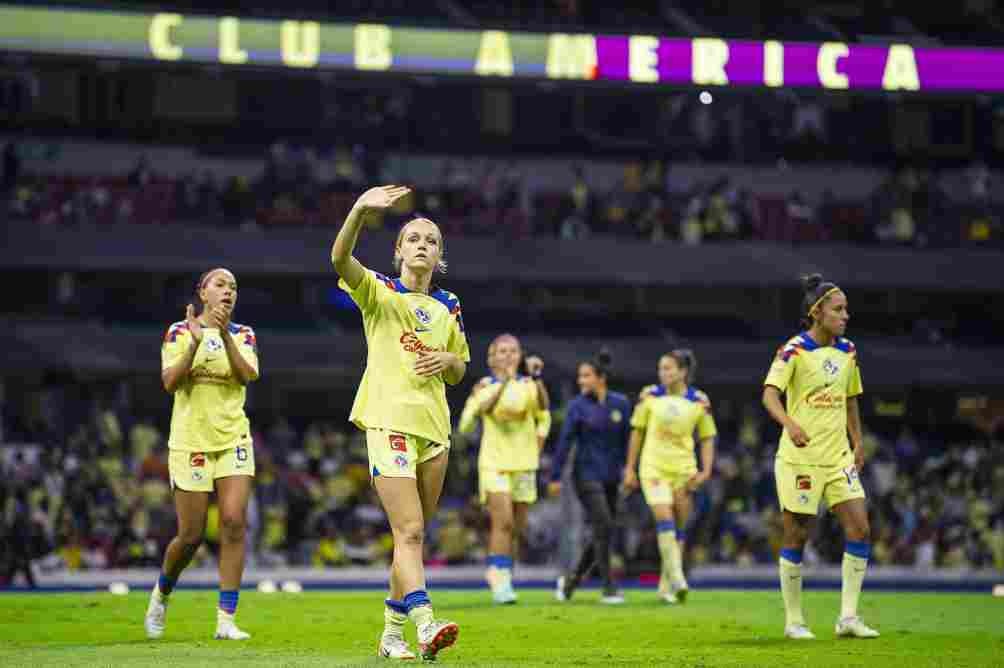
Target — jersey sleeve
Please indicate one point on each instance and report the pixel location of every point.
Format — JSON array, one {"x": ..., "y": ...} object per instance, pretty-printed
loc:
[
  {"x": 370, "y": 292},
  {"x": 706, "y": 427},
  {"x": 247, "y": 344},
  {"x": 457, "y": 341},
  {"x": 542, "y": 418},
  {"x": 177, "y": 339},
  {"x": 854, "y": 387},
  {"x": 641, "y": 414},
  {"x": 783, "y": 367},
  {"x": 469, "y": 416}
]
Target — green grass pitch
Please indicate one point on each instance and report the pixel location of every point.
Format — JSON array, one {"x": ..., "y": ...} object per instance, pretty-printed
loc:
[{"x": 714, "y": 628}]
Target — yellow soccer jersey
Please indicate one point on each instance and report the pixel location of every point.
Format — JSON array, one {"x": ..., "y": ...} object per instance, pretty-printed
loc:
[
  {"x": 208, "y": 412},
  {"x": 510, "y": 431},
  {"x": 668, "y": 422},
  {"x": 817, "y": 382},
  {"x": 399, "y": 324}
]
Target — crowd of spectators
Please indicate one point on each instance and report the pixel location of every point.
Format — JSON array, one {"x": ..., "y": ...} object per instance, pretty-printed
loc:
[
  {"x": 84, "y": 485},
  {"x": 649, "y": 201}
]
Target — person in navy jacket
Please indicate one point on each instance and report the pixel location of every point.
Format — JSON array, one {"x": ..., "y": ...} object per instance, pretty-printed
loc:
[{"x": 597, "y": 423}]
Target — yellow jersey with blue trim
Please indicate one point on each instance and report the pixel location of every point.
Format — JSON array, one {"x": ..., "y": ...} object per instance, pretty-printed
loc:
[
  {"x": 400, "y": 325},
  {"x": 817, "y": 382},
  {"x": 668, "y": 423},
  {"x": 510, "y": 432},
  {"x": 208, "y": 413}
]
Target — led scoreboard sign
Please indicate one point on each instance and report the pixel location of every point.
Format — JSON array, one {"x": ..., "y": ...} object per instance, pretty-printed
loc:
[{"x": 642, "y": 59}]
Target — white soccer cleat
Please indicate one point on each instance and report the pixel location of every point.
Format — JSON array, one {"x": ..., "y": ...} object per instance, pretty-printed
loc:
[
  {"x": 156, "y": 616},
  {"x": 559, "y": 590},
  {"x": 504, "y": 595},
  {"x": 798, "y": 632},
  {"x": 614, "y": 598},
  {"x": 663, "y": 585},
  {"x": 853, "y": 627},
  {"x": 668, "y": 599},
  {"x": 395, "y": 647},
  {"x": 226, "y": 628},
  {"x": 436, "y": 636}
]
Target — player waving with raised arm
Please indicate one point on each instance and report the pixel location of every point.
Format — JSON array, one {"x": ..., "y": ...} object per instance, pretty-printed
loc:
[{"x": 416, "y": 346}]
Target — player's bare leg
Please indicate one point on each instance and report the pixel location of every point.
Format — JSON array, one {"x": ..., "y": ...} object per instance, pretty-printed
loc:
[
  {"x": 232, "y": 493},
  {"x": 669, "y": 551},
  {"x": 191, "y": 510},
  {"x": 797, "y": 528},
  {"x": 853, "y": 516},
  {"x": 434, "y": 635},
  {"x": 500, "y": 544},
  {"x": 681, "y": 511}
]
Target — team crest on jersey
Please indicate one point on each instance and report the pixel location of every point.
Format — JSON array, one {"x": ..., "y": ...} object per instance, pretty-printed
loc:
[
  {"x": 616, "y": 416},
  {"x": 213, "y": 345},
  {"x": 423, "y": 315},
  {"x": 830, "y": 368}
]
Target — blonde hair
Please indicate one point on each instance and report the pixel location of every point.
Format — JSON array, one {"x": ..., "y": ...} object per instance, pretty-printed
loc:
[{"x": 441, "y": 266}]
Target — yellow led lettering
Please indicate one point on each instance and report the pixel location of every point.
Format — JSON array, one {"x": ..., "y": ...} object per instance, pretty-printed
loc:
[
  {"x": 643, "y": 60},
  {"x": 299, "y": 43},
  {"x": 494, "y": 55},
  {"x": 571, "y": 56},
  {"x": 708, "y": 59},
  {"x": 161, "y": 45},
  {"x": 230, "y": 42},
  {"x": 372, "y": 50},
  {"x": 773, "y": 63},
  {"x": 900, "y": 69},
  {"x": 826, "y": 64}
]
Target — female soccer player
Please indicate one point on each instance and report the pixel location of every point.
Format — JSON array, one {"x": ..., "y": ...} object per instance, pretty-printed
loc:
[
  {"x": 206, "y": 363},
  {"x": 664, "y": 424},
  {"x": 516, "y": 420},
  {"x": 818, "y": 372},
  {"x": 416, "y": 341},
  {"x": 597, "y": 423}
]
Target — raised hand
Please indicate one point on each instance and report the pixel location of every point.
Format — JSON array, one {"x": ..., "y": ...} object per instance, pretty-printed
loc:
[
  {"x": 696, "y": 481},
  {"x": 194, "y": 326},
  {"x": 534, "y": 365},
  {"x": 380, "y": 198},
  {"x": 219, "y": 317}
]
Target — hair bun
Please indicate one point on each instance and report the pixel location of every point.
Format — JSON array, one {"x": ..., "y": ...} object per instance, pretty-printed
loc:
[
  {"x": 604, "y": 357},
  {"x": 811, "y": 282}
]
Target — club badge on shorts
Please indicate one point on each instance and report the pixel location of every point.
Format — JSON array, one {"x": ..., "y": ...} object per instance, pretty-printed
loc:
[
  {"x": 616, "y": 416},
  {"x": 401, "y": 461},
  {"x": 398, "y": 443}
]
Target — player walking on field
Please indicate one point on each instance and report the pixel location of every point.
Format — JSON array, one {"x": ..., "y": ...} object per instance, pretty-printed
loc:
[
  {"x": 206, "y": 363},
  {"x": 663, "y": 426},
  {"x": 416, "y": 346},
  {"x": 818, "y": 373},
  {"x": 514, "y": 412}
]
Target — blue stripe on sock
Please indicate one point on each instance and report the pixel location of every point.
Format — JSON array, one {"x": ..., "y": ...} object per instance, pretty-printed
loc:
[
  {"x": 857, "y": 549},
  {"x": 228, "y": 601},
  {"x": 500, "y": 560},
  {"x": 665, "y": 525},
  {"x": 794, "y": 556},
  {"x": 397, "y": 606},
  {"x": 415, "y": 599},
  {"x": 166, "y": 584}
]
